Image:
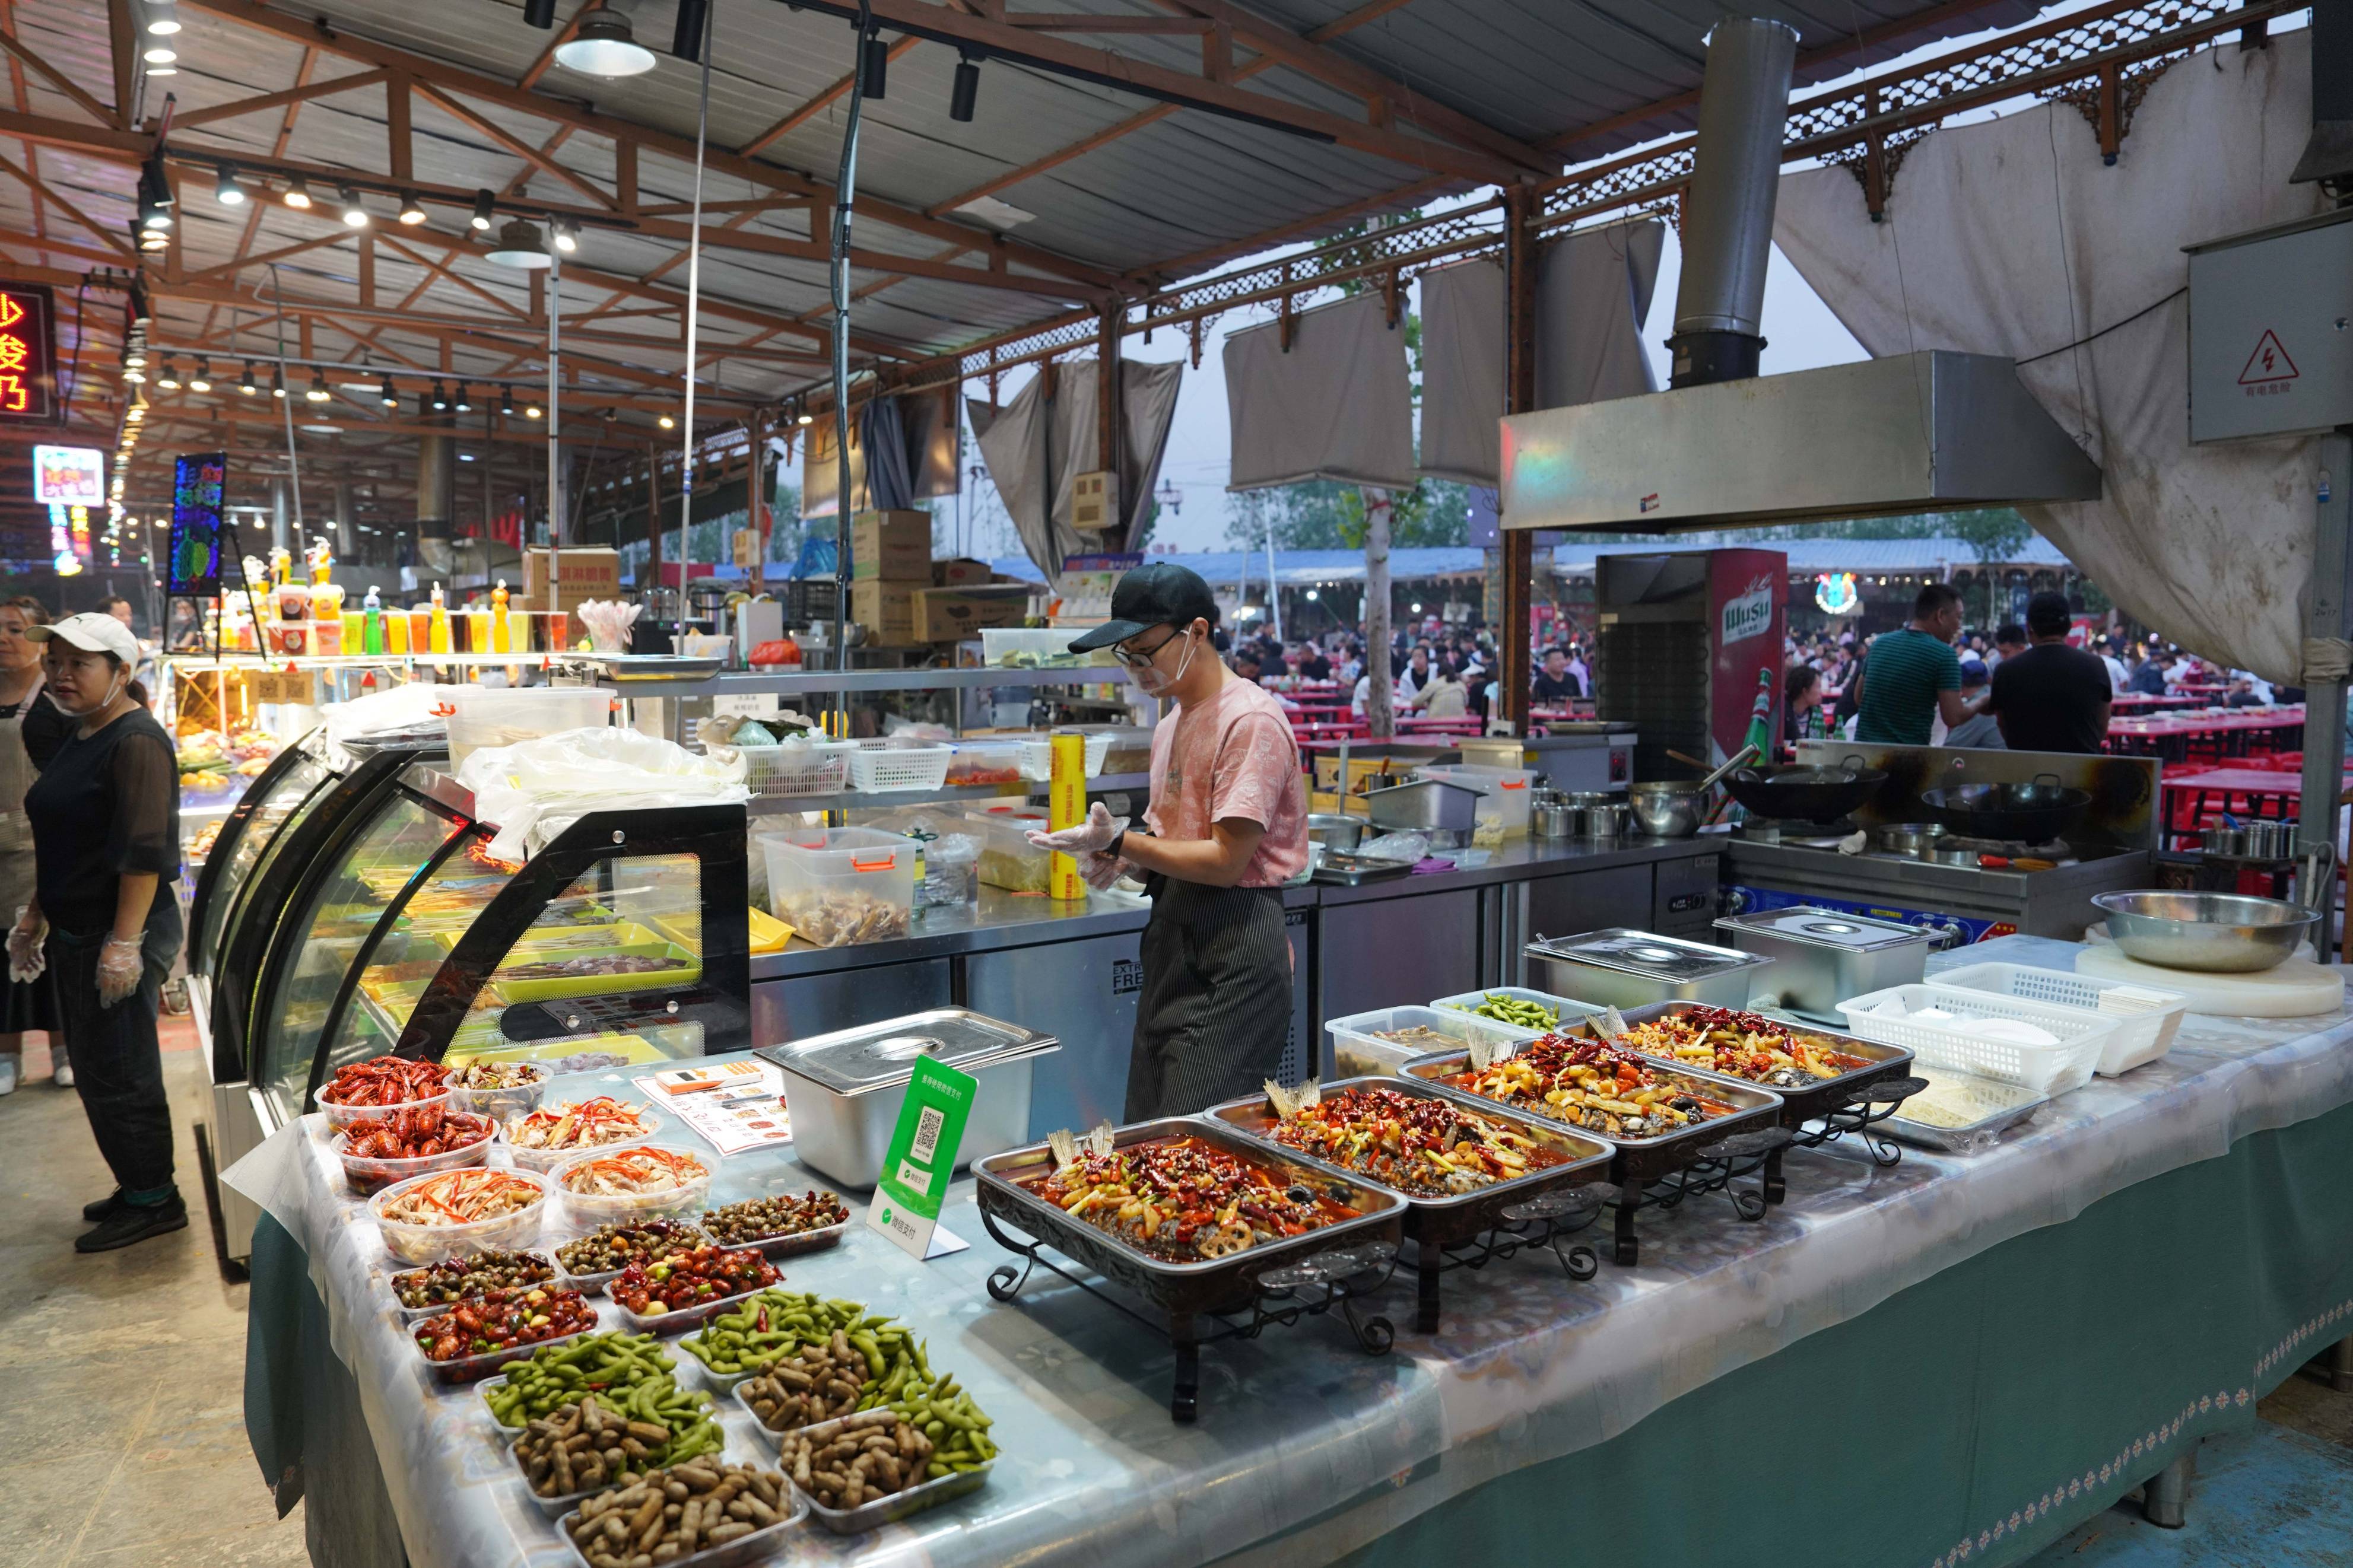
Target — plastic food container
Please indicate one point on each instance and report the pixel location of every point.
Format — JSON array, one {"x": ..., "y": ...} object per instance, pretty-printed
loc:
[
  {"x": 1959, "y": 1046},
  {"x": 1008, "y": 858},
  {"x": 1568, "y": 1008},
  {"x": 367, "y": 1176},
  {"x": 588, "y": 1210},
  {"x": 664, "y": 1324},
  {"x": 482, "y": 716},
  {"x": 1037, "y": 756},
  {"x": 340, "y": 1116},
  {"x": 544, "y": 1160},
  {"x": 474, "y": 1368},
  {"x": 1028, "y": 647},
  {"x": 1358, "y": 1050},
  {"x": 809, "y": 767},
  {"x": 502, "y": 1105},
  {"x": 411, "y": 1316},
  {"x": 419, "y": 1243},
  {"x": 2148, "y": 1016},
  {"x": 836, "y": 886},
  {"x": 882, "y": 1510},
  {"x": 751, "y": 1548},
  {"x": 985, "y": 763},
  {"x": 886, "y": 766}
]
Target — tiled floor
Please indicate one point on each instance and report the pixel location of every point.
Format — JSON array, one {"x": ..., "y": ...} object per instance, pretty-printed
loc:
[{"x": 121, "y": 1434}]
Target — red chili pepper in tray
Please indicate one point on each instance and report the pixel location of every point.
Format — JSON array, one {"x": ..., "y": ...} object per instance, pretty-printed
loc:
[{"x": 479, "y": 1327}]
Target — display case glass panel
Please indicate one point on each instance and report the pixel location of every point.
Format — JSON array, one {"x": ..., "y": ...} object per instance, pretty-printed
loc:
[
  {"x": 413, "y": 946},
  {"x": 294, "y": 791}
]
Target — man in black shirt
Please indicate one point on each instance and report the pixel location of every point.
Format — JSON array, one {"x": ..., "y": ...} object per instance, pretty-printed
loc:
[
  {"x": 1555, "y": 683},
  {"x": 2051, "y": 698}
]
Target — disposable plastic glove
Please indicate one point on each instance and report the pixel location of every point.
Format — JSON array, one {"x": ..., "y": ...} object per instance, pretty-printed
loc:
[
  {"x": 1092, "y": 834},
  {"x": 1101, "y": 870},
  {"x": 119, "y": 965},
  {"x": 25, "y": 959}
]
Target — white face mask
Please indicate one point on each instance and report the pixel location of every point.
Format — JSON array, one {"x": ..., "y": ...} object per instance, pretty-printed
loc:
[
  {"x": 100, "y": 706},
  {"x": 1151, "y": 682}
]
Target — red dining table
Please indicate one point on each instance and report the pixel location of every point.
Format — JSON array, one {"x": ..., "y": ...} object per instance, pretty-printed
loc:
[{"x": 2197, "y": 801}]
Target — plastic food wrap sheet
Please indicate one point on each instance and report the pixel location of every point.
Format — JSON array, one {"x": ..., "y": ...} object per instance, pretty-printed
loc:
[
  {"x": 1299, "y": 1421},
  {"x": 536, "y": 788}
]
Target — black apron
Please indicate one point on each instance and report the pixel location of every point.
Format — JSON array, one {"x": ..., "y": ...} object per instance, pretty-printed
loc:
[{"x": 1215, "y": 1012}]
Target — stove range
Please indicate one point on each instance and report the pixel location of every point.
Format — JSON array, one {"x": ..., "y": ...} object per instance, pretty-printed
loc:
[{"x": 2001, "y": 888}]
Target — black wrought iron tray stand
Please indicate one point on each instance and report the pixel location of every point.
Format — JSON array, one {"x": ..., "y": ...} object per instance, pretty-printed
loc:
[
  {"x": 1822, "y": 1112},
  {"x": 1277, "y": 1283},
  {"x": 1467, "y": 1230},
  {"x": 1661, "y": 1173}
]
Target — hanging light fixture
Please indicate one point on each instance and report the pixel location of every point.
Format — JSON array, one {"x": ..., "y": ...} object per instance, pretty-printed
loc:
[
  {"x": 686, "y": 39},
  {"x": 481, "y": 221},
  {"x": 277, "y": 382},
  {"x": 354, "y": 215},
  {"x": 533, "y": 411},
  {"x": 441, "y": 399},
  {"x": 248, "y": 387},
  {"x": 160, "y": 55},
  {"x": 667, "y": 423},
  {"x": 805, "y": 417},
  {"x": 202, "y": 380},
  {"x": 298, "y": 193},
  {"x": 162, "y": 18},
  {"x": 386, "y": 394},
  {"x": 567, "y": 234},
  {"x": 154, "y": 195},
  {"x": 412, "y": 211},
  {"x": 226, "y": 190},
  {"x": 965, "y": 91},
  {"x": 602, "y": 45},
  {"x": 519, "y": 245},
  {"x": 506, "y": 402},
  {"x": 169, "y": 378},
  {"x": 461, "y": 402},
  {"x": 318, "y": 393},
  {"x": 540, "y": 14},
  {"x": 878, "y": 64}
]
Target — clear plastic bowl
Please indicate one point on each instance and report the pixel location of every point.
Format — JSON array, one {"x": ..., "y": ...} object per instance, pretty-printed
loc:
[
  {"x": 501, "y": 1105},
  {"x": 419, "y": 1243},
  {"x": 544, "y": 1160},
  {"x": 368, "y": 1175},
  {"x": 344, "y": 1115},
  {"x": 588, "y": 1210}
]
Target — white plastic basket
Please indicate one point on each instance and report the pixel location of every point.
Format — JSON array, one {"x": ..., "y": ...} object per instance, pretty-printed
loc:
[
  {"x": 1037, "y": 756},
  {"x": 1570, "y": 1009},
  {"x": 898, "y": 767},
  {"x": 814, "y": 767},
  {"x": 2048, "y": 1070},
  {"x": 2149, "y": 1018}
]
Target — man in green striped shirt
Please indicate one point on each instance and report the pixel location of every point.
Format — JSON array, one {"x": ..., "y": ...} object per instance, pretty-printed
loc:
[{"x": 1912, "y": 675}]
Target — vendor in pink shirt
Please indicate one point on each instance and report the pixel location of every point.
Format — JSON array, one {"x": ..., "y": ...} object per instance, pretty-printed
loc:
[{"x": 1227, "y": 826}]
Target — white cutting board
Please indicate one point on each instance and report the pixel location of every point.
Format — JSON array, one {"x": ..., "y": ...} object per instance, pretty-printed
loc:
[{"x": 2291, "y": 989}]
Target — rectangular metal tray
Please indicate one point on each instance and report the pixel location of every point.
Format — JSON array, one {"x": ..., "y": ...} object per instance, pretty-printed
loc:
[
  {"x": 1798, "y": 1106},
  {"x": 1338, "y": 869},
  {"x": 1639, "y": 1159},
  {"x": 411, "y": 1316},
  {"x": 1437, "y": 1222},
  {"x": 1215, "y": 1284}
]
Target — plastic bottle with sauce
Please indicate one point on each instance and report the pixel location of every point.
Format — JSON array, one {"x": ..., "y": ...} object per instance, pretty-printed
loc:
[
  {"x": 502, "y": 634},
  {"x": 372, "y": 623},
  {"x": 439, "y": 622}
]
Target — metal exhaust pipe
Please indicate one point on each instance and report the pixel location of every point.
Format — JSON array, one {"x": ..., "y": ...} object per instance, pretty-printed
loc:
[{"x": 1744, "y": 103}]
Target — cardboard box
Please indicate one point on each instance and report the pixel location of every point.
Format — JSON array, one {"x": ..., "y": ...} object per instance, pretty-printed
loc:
[
  {"x": 948, "y": 615},
  {"x": 960, "y": 571},
  {"x": 890, "y": 547},
  {"x": 887, "y": 611},
  {"x": 578, "y": 576}
]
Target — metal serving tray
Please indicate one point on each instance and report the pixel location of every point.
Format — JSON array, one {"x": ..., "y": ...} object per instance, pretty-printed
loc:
[
  {"x": 1209, "y": 1286},
  {"x": 1798, "y": 1106},
  {"x": 1638, "y": 1161},
  {"x": 1621, "y": 967},
  {"x": 1340, "y": 868},
  {"x": 1435, "y": 1222}
]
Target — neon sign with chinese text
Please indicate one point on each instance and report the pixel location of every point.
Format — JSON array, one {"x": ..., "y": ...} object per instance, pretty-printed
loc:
[{"x": 28, "y": 353}]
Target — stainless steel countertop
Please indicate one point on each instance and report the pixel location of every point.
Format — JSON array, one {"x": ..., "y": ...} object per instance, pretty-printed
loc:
[{"x": 1003, "y": 920}]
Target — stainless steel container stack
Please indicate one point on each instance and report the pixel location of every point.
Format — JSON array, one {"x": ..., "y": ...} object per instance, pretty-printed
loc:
[
  {"x": 1821, "y": 956},
  {"x": 1620, "y": 967}
]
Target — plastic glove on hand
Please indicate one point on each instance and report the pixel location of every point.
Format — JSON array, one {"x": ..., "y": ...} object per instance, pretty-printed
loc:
[
  {"x": 1101, "y": 870},
  {"x": 1094, "y": 833},
  {"x": 25, "y": 959},
  {"x": 118, "y": 967}
]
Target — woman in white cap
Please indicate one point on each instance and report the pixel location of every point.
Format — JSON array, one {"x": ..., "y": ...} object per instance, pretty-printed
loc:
[
  {"x": 31, "y": 731},
  {"x": 106, "y": 843}
]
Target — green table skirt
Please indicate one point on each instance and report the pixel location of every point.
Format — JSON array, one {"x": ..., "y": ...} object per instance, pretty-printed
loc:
[{"x": 1974, "y": 1418}]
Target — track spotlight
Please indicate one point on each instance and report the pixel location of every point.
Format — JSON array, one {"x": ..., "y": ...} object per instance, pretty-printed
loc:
[
  {"x": 226, "y": 190},
  {"x": 965, "y": 91},
  {"x": 386, "y": 394},
  {"x": 412, "y": 211},
  {"x": 461, "y": 402},
  {"x": 202, "y": 380},
  {"x": 539, "y": 14},
  {"x": 878, "y": 65},
  {"x": 440, "y": 399},
  {"x": 481, "y": 221},
  {"x": 318, "y": 393},
  {"x": 567, "y": 236},
  {"x": 354, "y": 215},
  {"x": 298, "y": 193},
  {"x": 248, "y": 387},
  {"x": 170, "y": 378},
  {"x": 686, "y": 39}
]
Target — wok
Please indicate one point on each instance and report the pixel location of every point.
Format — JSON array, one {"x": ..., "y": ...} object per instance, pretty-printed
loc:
[
  {"x": 1805, "y": 793},
  {"x": 2021, "y": 813}
]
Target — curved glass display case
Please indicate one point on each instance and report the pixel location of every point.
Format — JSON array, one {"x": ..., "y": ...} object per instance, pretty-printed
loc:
[{"x": 623, "y": 940}]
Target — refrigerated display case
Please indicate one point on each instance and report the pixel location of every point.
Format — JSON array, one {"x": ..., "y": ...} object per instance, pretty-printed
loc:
[{"x": 623, "y": 941}]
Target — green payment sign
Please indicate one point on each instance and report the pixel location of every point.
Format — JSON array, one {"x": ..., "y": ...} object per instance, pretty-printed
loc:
[{"x": 921, "y": 1157}]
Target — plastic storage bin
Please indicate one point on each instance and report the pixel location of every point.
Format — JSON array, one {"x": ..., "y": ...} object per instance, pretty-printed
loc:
[
  {"x": 2149, "y": 1016},
  {"x": 883, "y": 766},
  {"x": 1956, "y": 1043},
  {"x": 1505, "y": 791},
  {"x": 1568, "y": 1008},
  {"x": 1357, "y": 1048},
  {"x": 1008, "y": 858},
  {"x": 985, "y": 762},
  {"x": 482, "y": 716},
  {"x": 836, "y": 886},
  {"x": 810, "y": 767},
  {"x": 1037, "y": 756}
]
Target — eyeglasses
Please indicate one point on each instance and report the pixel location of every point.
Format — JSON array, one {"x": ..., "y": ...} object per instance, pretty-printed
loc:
[{"x": 1136, "y": 660}]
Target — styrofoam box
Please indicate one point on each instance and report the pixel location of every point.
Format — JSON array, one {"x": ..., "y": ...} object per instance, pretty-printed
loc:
[{"x": 2150, "y": 1018}]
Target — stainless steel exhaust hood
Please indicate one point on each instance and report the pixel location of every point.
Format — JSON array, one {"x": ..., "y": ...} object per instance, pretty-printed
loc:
[{"x": 1934, "y": 431}]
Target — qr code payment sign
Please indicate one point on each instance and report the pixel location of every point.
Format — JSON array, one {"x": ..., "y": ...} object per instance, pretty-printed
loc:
[{"x": 927, "y": 1135}]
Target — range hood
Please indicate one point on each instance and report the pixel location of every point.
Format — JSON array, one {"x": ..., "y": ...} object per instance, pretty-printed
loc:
[{"x": 1936, "y": 431}]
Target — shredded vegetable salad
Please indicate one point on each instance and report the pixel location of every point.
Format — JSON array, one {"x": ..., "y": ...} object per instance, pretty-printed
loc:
[
  {"x": 586, "y": 1124},
  {"x": 1593, "y": 1084},
  {"x": 1185, "y": 1200},
  {"x": 1742, "y": 1046},
  {"x": 642, "y": 1171},
  {"x": 461, "y": 1197},
  {"x": 1418, "y": 1145}
]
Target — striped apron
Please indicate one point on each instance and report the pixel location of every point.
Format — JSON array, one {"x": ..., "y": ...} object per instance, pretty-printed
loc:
[{"x": 1216, "y": 1007}]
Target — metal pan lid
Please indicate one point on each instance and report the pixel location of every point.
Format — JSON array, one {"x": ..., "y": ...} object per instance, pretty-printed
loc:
[
  {"x": 1828, "y": 928},
  {"x": 1646, "y": 954},
  {"x": 881, "y": 1056}
]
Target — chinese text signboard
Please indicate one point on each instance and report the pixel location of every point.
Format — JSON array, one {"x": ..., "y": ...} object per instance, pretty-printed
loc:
[
  {"x": 198, "y": 483},
  {"x": 68, "y": 476},
  {"x": 28, "y": 355}
]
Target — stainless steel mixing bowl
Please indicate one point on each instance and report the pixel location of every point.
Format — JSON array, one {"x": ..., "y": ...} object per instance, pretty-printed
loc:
[{"x": 2227, "y": 932}]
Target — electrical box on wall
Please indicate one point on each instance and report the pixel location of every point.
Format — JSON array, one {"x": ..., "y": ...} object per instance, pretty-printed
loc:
[
  {"x": 2270, "y": 330},
  {"x": 1095, "y": 501}
]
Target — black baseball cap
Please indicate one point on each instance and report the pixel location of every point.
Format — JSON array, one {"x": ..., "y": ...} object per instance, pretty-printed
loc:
[{"x": 1157, "y": 593}]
